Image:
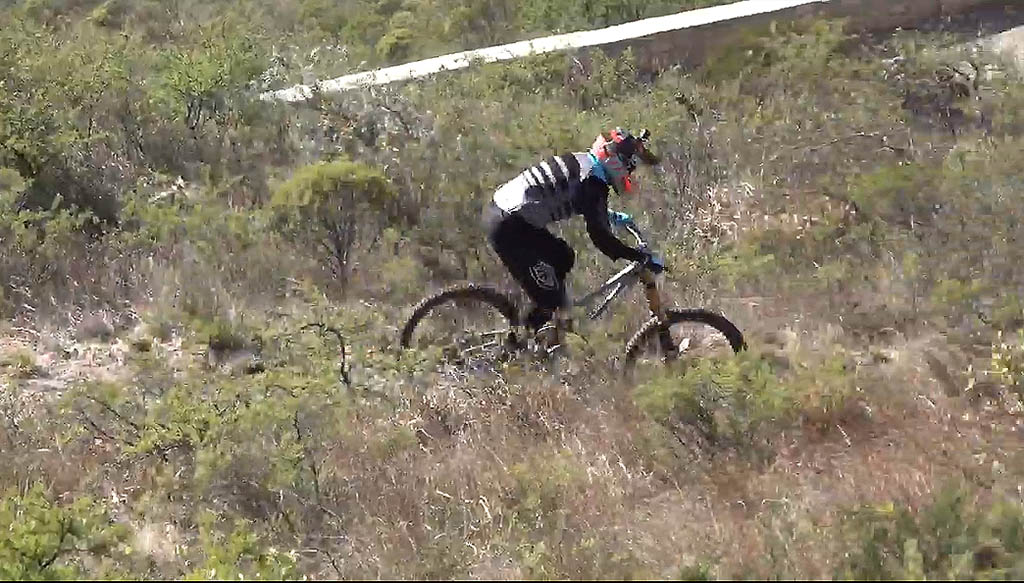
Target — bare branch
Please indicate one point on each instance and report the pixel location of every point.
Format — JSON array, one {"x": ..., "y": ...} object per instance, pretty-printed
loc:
[
  {"x": 344, "y": 369},
  {"x": 116, "y": 414}
]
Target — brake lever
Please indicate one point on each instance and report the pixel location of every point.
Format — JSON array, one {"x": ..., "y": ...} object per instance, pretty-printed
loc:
[{"x": 633, "y": 230}]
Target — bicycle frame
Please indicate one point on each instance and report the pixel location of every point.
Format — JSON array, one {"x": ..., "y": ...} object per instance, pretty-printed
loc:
[
  {"x": 628, "y": 276},
  {"x": 611, "y": 289}
]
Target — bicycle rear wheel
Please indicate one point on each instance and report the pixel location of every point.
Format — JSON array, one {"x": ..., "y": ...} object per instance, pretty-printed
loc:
[
  {"x": 469, "y": 324},
  {"x": 694, "y": 333}
]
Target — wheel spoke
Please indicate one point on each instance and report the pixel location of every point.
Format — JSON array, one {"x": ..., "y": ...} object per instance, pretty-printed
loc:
[
  {"x": 469, "y": 325},
  {"x": 699, "y": 341},
  {"x": 692, "y": 334}
]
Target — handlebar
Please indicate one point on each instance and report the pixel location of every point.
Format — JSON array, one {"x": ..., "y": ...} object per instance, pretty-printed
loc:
[
  {"x": 630, "y": 226},
  {"x": 619, "y": 219},
  {"x": 645, "y": 154}
]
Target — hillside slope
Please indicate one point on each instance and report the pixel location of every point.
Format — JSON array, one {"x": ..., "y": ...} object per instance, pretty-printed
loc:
[{"x": 180, "y": 261}]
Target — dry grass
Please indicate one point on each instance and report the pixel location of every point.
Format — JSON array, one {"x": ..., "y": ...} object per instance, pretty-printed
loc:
[
  {"x": 868, "y": 379},
  {"x": 517, "y": 475}
]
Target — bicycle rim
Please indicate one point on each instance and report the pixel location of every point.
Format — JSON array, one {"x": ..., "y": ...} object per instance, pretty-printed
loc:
[
  {"x": 693, "y": 334},
  {"x": 469, "y": 326}
]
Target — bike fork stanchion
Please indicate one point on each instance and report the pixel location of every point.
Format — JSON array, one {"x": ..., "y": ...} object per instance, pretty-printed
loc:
[
  {"x": 556, "y": 351},
  {"x": 515, "y": 337},
  {"x": 558, "y": 327},
  {"x": 658, "y": 310}
]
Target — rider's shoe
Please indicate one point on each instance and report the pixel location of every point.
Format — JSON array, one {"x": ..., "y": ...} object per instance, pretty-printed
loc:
[
  {"x": 543, "y": 339},
  {"x": 516, "y": 340},
  {"x": 544, "y": 343},
  {"x": 556, "y": 350}
]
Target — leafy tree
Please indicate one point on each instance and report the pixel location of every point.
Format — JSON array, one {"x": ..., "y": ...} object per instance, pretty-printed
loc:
[
  {"x": 201, "y": 78},
  {"x": 334, "y": 203}
]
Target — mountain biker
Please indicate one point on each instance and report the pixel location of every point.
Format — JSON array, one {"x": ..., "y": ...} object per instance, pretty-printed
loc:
[{"x": 556, "y": 189}]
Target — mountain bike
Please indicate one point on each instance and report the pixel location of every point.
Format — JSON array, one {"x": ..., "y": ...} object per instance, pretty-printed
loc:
[{"x": 480, "y": 323}]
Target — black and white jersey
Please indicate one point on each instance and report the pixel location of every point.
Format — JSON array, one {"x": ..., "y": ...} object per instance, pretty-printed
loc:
[
  {"x": 561, "y": 187},
  {"x": 545, "y": 193}
]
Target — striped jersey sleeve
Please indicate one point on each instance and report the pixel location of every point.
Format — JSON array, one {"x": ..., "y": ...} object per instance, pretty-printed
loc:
[{"x": 544, "y": 192}]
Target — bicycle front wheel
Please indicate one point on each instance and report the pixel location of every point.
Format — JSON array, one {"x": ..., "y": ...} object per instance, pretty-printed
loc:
[
  {"x": 469, "y": 323},
  {"x": 693, "y": 333}
]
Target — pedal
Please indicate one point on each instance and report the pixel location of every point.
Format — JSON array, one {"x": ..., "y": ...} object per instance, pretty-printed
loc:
[
  {"x": 514, "y": 342},
  {"x": 534, "y": 347}
]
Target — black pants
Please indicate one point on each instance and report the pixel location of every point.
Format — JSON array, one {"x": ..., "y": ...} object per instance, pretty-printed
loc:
[{"x": 537, "y": 259}]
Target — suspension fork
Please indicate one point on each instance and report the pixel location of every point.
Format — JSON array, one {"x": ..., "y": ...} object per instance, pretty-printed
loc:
[{"x": 654, "y": 303}]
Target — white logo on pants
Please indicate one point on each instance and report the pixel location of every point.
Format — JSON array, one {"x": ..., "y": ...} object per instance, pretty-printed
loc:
[{"x": 544, "y": 275}]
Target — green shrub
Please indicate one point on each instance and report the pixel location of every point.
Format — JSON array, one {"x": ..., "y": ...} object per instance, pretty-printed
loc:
[
  {"x": 20, "y": 364},
  {"x": 44, "y": 541},
  {"x": 697, "y": 572},
  {"x": 898, "y": 193},
  {"x": 954, "y": 537},
  {"x": 239, "y": 555},
  {"x": 397, "y": 42},
  {"x": 1008, "y": 361},
  {"x": 542, "y": 487},
  {"x": 161, "y": 324},
  {"x": 201, "y": 81},
  {"x": 393, "y": 442},
  {"x": 742, "y": 401},
  {"x": 728, "y": 401},
  {"x": 326, "y": 16},
  {"x": 334, "y": 204},
  {"x": 224, "y": 336}
]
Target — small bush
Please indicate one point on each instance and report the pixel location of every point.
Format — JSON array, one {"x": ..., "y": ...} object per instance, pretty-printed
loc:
[
  {"x": 198, "y": 82},
  {"x": 697, "y": 572},
  {"x": 161, "y": 324},
  {"x": 1008, "y": 361},
  {"x": 743, "y": 401},
  {"x": 224, "y": 336},
  {"x": 898, "y": 194},
  {"x": 20, "y": 364},
  {"x": 955, "y": 537},
  {"x": 239, "y": 555},
  {"x": 43, "y": 541},
  {"x": 727, "y": 401},
  {"x": 542, "y": 486},
  {"x": 332, "y": 204}
]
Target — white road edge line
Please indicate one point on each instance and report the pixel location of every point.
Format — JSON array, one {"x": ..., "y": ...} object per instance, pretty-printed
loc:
[{"x": 572, "y": 40}]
